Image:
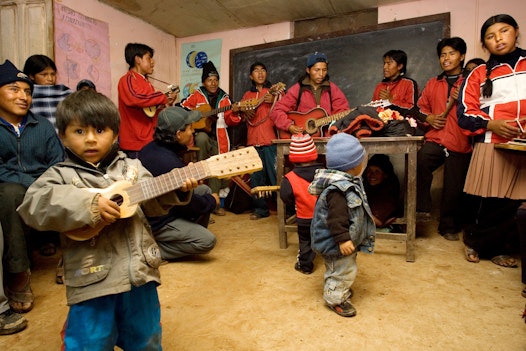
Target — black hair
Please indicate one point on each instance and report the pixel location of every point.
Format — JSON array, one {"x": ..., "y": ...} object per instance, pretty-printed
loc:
[
  {"x": 476, "y": 60},
  {"x": 399, "y": 56},
  {"x": 89, "y": 108},
  {"x": 86, "y": 83},
  {"x": 37, "y": 63},
  {"x": 487, "y": 87},
  {"x": 456, "y": 43},
  {"x": 266, "y": 84},
  {"x": 135, "y": 49},
  {"x": 383, "y": 162},
  {"x": 255, "y": 64}
]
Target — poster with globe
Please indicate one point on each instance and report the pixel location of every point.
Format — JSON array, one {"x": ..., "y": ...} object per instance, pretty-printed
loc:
[{"x": 193, "y": 57}]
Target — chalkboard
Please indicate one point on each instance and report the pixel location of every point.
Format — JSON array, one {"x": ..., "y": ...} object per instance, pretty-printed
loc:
[{"x": 355, "y": 58}]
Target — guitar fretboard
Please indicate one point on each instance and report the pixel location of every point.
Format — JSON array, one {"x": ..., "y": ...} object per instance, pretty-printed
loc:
[
  {"x": 326, "y": 120},
  {"x": 216, "y": 111},
  {"x": 167, "y": 182}
]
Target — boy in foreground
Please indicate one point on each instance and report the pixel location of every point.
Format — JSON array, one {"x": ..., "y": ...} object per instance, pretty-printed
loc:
[
  {"x": 111, "y": 277},
  {"x": 342, "y": 222}
]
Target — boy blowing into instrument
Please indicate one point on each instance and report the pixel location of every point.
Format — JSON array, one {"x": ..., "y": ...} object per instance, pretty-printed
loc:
[{"x": 111, "y": 278}]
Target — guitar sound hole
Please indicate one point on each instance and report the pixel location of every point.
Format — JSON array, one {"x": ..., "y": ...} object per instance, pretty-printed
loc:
[{"x": 118, "y": 199}]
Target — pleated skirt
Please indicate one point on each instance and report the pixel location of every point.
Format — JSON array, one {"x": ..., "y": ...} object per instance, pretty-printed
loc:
[{"x": 495, "y": 172}]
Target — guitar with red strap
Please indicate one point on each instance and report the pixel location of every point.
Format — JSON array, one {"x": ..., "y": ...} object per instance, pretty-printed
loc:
[
  {"x": 128, "y": 196},
  {"x": 313, "y": 120}
]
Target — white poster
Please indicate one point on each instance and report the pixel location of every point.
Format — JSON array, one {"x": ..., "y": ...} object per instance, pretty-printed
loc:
[{"x": 193, "y": 57}]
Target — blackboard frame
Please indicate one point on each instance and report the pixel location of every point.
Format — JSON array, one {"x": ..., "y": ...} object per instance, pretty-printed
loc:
[{"x": 357, "y": 73}]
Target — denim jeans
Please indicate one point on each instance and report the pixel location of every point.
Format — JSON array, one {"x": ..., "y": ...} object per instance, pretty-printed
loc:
[{"x": 340, "y": 273}]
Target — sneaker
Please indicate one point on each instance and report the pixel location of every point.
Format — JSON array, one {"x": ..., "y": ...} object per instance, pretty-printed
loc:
[
  {"x": 302, "y": 270},
  {"x": 423, "y": 217},
  {"x": 345, "y": 309},
  {"x": 11, "y": 322}
]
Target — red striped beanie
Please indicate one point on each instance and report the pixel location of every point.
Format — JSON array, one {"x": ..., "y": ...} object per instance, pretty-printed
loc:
[{"x": 302, "y": 149}]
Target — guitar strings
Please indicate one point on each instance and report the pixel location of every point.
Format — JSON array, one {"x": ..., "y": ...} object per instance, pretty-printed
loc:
[{"x": 164, "y": 183}]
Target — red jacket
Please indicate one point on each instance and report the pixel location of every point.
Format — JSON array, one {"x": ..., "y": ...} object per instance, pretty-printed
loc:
[
  {"x": 404, "y": 91},
  {"x": 508, "y": 101},
  {"x": 135, "y": 93},
  {"x": 332, "y": 103},
  {"x": 198, "y": 98},
  {"x": 305, "y": 202},
  {"x": 260, "y": 128},
  {"x": 434, "y": 100}
]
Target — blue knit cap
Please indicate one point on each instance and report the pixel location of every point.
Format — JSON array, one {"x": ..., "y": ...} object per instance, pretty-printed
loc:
[
  {"x": 316, "y": 57},
  {"x": 344, "y": 152},
  {"x": 9, "y": 74}
]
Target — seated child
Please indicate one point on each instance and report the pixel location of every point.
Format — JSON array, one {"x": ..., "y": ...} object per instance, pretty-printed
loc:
[
  {"x": 111, "y": 275},
  {"x": 342, "y": 222},
  {"x": 383, "y": 190},
  {"x": 293, "y": 192}
]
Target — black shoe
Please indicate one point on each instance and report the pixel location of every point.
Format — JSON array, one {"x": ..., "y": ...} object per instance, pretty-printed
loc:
[
  {"x": 11, "y": 322},
  {"x": 345, "y": 309},
  {"x": 301, "y": 270},
  {"x": 423, "y": 217},
  {"x": 451, "y": 236}
]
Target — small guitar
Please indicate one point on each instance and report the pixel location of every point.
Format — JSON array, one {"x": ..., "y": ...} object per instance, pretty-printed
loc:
[
  {"x": 275, "y": 89},
  {"x": 264, "y": 190},
  {"x": 209, "y": 115},
  {"x": 150, "y": 110},
  {"x": 312, "y": 120},
  {"x": 128, "y": 196}
]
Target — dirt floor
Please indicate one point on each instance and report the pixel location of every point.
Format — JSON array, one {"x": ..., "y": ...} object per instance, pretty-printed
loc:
[{"x": 246, "y": 295}]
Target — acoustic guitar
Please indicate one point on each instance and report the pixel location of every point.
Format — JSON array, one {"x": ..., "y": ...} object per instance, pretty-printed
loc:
[
  {"x": 128, "y": 196},
  {"x": 150, "y": 110},
  {"x": 209, "y": 115},
  {"x": 313, "y": 120}
]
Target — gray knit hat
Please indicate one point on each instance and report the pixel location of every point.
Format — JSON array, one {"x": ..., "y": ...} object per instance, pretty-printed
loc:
[{"x": 344, "y": 152}]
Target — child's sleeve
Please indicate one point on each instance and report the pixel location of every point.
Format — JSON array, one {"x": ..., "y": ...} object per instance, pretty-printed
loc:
[
  {"x": 337, "y": 216},
  {"x": 285, "y": 192},
  {"x": 49, "y": 204}
]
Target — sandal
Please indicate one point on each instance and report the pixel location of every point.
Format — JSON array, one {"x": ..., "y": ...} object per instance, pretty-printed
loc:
[
  {"x": 471, "y": 255},
  {"x": 523, "y": 293},
  {"x": 21, "y": 301},
  {"x": 504, "y": 261},
  {"x": 59, "y": 273}
]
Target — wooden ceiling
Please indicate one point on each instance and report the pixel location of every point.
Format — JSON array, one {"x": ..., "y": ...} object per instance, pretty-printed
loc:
[{"x": 183, "y": 18}]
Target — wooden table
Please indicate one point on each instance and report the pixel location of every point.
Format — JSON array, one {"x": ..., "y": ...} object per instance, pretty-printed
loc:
[{"x": 374, "y": 145}]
